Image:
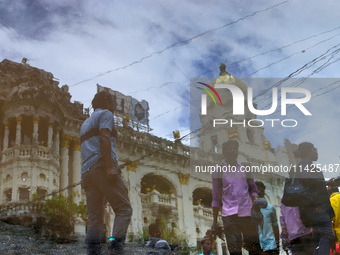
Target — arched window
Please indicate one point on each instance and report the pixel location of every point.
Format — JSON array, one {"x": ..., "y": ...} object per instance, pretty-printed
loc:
[
  {"x": 202, "y": 196},
  {"x": 42, "y": 177},
  {"x": 24, "y": 176},
  {"x": 151, "y": 181},
  {"x": 24, "y": 194},
  {"x": 41, "y": 194},
  {"x": 8, "y": 195}
]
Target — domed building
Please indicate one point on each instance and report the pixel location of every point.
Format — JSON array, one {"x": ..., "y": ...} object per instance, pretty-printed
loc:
[
  {"x": 39, "y": 134},
  {"x": 40, "y": 154}
]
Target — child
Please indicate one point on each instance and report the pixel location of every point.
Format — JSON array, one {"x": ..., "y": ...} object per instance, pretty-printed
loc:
[{"x": 206, "y": 246}]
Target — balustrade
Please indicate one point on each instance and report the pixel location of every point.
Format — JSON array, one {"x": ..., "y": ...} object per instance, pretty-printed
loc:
[
  {"x": 200, "y": 211},
  {"x": 26, "y": 151},
  {"x": 18, "y": 209},
  {"x": 158, "y": 198}
]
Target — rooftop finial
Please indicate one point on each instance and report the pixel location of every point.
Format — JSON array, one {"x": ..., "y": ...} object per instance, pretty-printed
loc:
[{"x": 222, "y": 69}]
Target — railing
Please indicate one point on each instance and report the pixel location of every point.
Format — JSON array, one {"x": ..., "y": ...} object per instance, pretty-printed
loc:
[
  {"x": 167, "y": 199},
  {"x": 199, "y": 210},
  {"x": 155, "y": 197},
  {"x": 154, "y": 143},
  {"x": 8, "y": 154},
  {"x": 205, "y": 213},
  {"x": 43, "y": 153},
  {"x": 22, "y": 208},
  {"x": 26, "y": 151},
  {"x": 158, "y": 198},
  {"x": 164, "y": 200},
  {"x": 145, "y": 199}
]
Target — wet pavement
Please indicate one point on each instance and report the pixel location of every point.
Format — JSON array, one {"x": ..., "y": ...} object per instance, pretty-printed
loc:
[{"x": 17, "y": 240}]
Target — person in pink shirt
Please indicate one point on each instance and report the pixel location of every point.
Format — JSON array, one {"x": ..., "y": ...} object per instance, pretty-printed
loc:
[
  {"x": 233, "y": 193},
  {"x": 294, "y": 234}
]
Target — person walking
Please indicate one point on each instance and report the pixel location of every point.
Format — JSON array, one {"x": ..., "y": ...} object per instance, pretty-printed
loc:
[
  {"x": 318, "y": 212},
  {"x": 234, "y": 193},
  {"x": 100, "y": 176},
  {"x": 265, "y": 217}
]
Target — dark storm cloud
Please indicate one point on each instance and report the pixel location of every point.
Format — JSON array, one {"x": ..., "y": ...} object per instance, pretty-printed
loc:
[{"x": 35, "y": 19}]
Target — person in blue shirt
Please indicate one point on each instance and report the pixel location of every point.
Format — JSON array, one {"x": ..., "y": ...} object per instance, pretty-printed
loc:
[
  {"x": 264, "y": 215},
  {"x": 100, "y": 175},
  {"x": 206, "y": 246}
]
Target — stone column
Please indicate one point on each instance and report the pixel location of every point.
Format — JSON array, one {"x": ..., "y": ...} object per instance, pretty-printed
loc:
[
  {"x": 76, "y": 167},
  {"x": 34, "y": 182},
  {"x": 49, "y": 134},
  {"x": 6, "y": 135},
  {"x": 50, "y": 178},
  {"x": 15, "y": 197},
  {"x": 135, "y": 199},
  {"x": 1, "y": 142},
  {"x": 35, "y": 131},
  {"x": 187, "y": 209},
  {"x": 57, "y": 144},
  {"x": 64, "y": 158},
  {"x": 18, "y": 132}
]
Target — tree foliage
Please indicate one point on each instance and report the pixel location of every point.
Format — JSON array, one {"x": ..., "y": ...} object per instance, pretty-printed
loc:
[{"x": 61, "y": 215}]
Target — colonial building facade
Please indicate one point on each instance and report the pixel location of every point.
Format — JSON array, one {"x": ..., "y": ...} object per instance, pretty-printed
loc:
[{"x": 40, "y": 154}]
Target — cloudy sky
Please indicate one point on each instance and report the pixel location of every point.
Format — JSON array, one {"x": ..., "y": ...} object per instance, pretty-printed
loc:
[{"x": 151, "y": 49}]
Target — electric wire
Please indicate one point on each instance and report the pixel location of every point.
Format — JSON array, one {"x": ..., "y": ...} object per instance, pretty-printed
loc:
[{"x": 183, "y": 42}]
